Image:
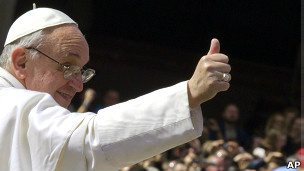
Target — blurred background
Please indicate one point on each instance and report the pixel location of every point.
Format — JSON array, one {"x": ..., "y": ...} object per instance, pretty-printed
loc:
[{"x": 138, "y": 46}]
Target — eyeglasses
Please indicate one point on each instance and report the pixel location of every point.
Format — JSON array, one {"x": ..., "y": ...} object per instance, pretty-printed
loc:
[{"x": 71, "y": 71}]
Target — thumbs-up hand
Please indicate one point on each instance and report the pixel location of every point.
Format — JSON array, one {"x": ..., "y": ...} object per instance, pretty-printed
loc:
[{"x": 210, "y": 76}]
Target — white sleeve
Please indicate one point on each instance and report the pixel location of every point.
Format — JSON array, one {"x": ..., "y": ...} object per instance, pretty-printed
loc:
[{"x": 129, "y": 132}]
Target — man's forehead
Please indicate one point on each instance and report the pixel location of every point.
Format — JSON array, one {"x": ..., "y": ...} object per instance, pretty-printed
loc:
[
  {"x": 67, "y": 44},
  {"x": 74, "y": 58},
  {"x": 71, "y": 58}
]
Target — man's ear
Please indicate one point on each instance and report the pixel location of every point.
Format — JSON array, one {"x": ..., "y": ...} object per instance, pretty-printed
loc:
[{"x": 19, "y": 59}]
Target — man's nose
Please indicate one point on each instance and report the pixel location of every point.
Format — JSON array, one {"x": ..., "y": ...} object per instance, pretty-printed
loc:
[{"x": 77, "y": 83}]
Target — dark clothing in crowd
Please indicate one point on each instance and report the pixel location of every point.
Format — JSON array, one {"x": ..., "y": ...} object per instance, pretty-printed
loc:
[
  {"x": 291, "y": 147},
  {"x": 241, "y": 135}
]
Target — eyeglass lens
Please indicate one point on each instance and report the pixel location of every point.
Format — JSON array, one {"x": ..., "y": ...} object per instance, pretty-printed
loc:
[{"x": 71, "y": 72}]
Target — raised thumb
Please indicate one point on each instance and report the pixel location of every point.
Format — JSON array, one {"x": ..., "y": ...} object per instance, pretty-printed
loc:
[{"x": 214, "y": 47}]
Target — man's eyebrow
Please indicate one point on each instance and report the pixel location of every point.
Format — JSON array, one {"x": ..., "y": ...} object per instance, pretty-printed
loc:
[{"x": 75, "y": 55}]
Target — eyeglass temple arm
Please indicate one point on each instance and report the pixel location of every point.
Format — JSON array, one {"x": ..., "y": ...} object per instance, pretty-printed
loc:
[{"x": 46, "y": 56}]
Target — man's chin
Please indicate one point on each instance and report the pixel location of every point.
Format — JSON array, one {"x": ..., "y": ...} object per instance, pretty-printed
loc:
[{"x": 63, "y": 101}]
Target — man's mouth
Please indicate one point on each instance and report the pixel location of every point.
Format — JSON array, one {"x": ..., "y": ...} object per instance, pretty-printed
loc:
[{"x": 67, "y": 97}]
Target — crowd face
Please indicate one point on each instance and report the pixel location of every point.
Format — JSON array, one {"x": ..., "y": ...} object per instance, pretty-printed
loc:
[
  {"x": 231, "y": 113},
  {"x": 233, "y": 148},
  {"x": 111, "y": 98},
  {"x": 278, "y": 122},
  {"x": 296, "y": 127},
  {"x": 289, "y": 116},
  {"x": 67, "y": 45},
  {"x": 218, "y": 166}
]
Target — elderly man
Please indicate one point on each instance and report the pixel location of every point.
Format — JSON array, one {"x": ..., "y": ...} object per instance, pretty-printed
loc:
[{"x": 42, "y": 67}]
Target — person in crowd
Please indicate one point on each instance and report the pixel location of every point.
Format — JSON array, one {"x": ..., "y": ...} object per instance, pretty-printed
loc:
[
  {"x": 256, "y": 142},
  {"x": 243, "y": 160},
  {"x": 276, "y": 126},
  {"x": 149, "y": 164},
  {"x": 214, "y": 163},
  {"x": 233, "y": 148},
  {"x": 276, "y": 122},
  {"x": 293, "y": 143},
  {"x": 271, "y": 142},
  {"x": 110, "y": 98},
  {"x": 194, "y": 166},
  {"x": 229, "y": 128},
  {"x": 179, "y": 166},
  {"x": 290, "y": 113},
  {"x": 272, "y": 161},
  {"x": 195, "y": 145},
  {"x": 168, "y": 166},
  {"x": 213, "y": 130},
  {"x": 190, "y": 157},
  {"x": 210, "y": 147},
  {"x": 89, "y": 96}
]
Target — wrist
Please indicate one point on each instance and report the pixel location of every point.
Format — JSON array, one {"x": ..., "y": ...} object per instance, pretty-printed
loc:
[{"x": 191, "y": 99}]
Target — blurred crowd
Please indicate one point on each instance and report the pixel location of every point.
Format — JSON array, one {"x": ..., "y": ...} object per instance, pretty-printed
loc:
[{"x": 224, "y": 145}]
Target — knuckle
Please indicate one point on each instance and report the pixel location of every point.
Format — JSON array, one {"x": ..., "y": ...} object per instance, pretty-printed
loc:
[
  {"x": 212, "y": 83},
  {"x": 208, "y": 57},
  {"x": 208, "y": 66},
  {"x": 226, "y": 58},
  {"x": 225, "y": 86},
  {"x": 203, "y": 58},
  {"x": 221, "y": 86},
  {"x": 228, "y": 68}
]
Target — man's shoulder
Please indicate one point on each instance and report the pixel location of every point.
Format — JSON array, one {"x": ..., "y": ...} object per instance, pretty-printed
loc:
[
  {"x": 19, "y": 92},
  {"x": 11, "y": 94}
]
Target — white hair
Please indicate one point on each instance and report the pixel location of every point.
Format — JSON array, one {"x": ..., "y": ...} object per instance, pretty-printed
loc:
[{"x": 35, "y": 39}]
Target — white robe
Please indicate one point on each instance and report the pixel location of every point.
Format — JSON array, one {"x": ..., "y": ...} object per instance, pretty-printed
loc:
[{"x": 37, "y": 134}]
